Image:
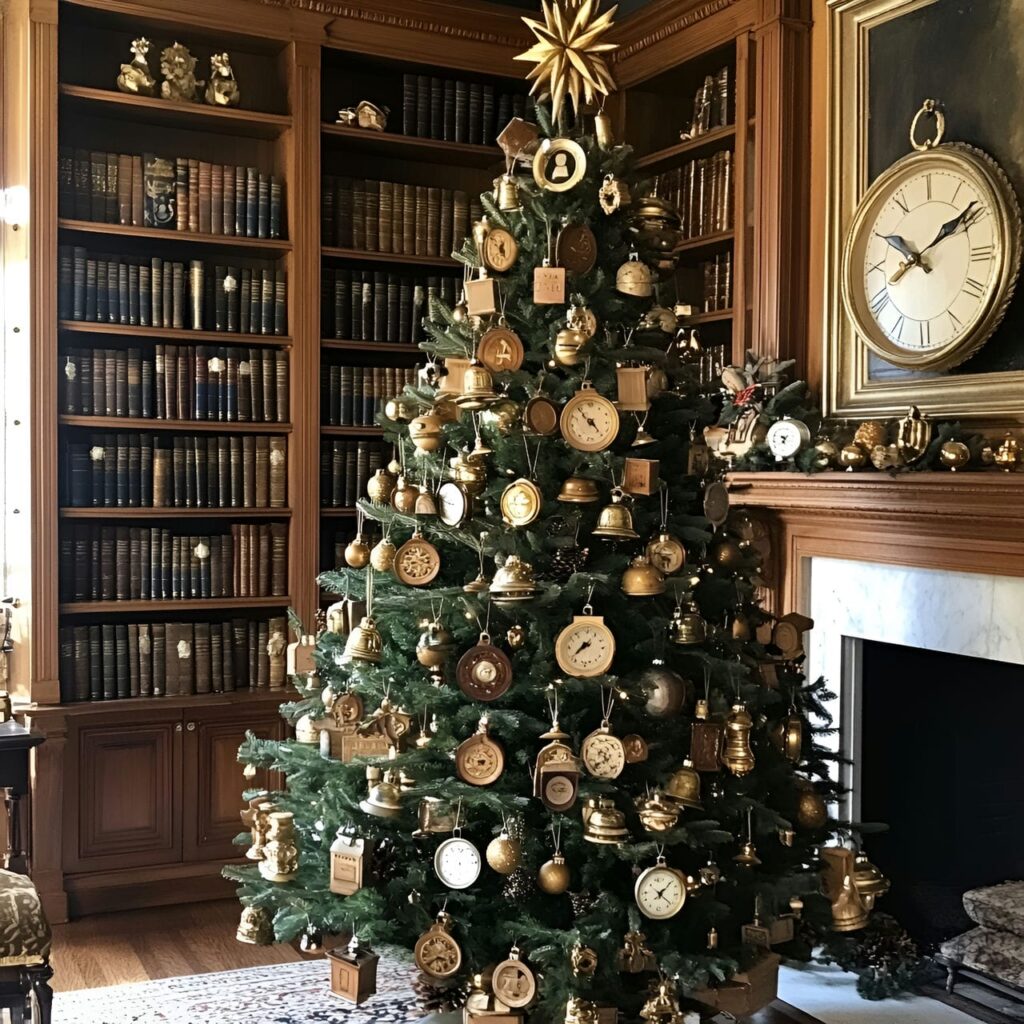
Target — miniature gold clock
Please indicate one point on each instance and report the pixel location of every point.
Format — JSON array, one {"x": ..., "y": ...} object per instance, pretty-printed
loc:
[
  {"x": 586, "y": 647},
  {"x": 932, "y": 255},
  {"x": 589, "y": 421},
  {"x": 660, "y": 891}
]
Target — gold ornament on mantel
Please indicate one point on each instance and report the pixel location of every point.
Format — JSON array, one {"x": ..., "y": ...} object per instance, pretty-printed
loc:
[{"x": 569, "y": 53}]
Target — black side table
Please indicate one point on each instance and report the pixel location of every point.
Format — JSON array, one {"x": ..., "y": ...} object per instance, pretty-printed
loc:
[{"x": 16, "y": 742}]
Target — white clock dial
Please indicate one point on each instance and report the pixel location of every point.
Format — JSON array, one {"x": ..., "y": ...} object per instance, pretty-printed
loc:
[
  {"x": 457, "y": 863},
  {"x": 786, "y": 437},
  {"x": 589, "y": 421},
  {"x": 452, "y": 503},
  {"x": 660, "y": 891},
  {"x": 585, "y": 648}
]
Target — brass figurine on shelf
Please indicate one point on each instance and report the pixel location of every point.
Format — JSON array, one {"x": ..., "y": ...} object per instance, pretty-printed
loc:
[
  {"x": 178, "y": 67},
  {"x": 364, "y": 115},
  {"x": 222, "y": 89},
  {"x": 136, "y": 78}
]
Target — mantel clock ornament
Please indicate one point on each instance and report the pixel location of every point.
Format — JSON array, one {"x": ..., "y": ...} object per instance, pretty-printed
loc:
[{"x": 932, "y": 255}]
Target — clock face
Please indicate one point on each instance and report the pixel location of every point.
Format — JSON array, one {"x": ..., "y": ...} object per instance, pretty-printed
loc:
[
  {"x": 585, "y": 647},
  {"x": 500, "y": 250},
  {"x": 479, "y": 760},
  {"x": 437, "y": 953},
  {"x": 520, "y": 502},
  {"x": 589, "y": 421},
  {"x": 932, "y": 257},
  {"x": 660, "y": 892},
  {"x": 603, "y": 755},
  {"x": 457, "y": 863},
  {"x": 452, "y": 503},
  {"x": 786, "y": 437}
]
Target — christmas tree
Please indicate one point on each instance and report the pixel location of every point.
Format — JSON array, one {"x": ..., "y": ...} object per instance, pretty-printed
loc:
[{"x": 547, "y": 725}]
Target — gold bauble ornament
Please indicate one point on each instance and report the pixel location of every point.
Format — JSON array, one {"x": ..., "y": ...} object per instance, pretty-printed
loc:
[
  {"x": 380, "y": 487},
  {"x": 425, "y": 432},
  {"x": 382, "y": 557},
  {"x": 641, "y": 579},
  {"x": 568, "y": 343},
  {"x": 434, "y": 646},
  {"x": 869, "y": 434},
  {"x": 504, "y": 854},
  {"x": 554, "y": 876},
  {"x": 504, "y": 414},
  {"x": 811, "y": 809},
  {"x": 667, "y": 691},
  {"x": 826, "y": 454},
  {"x": 635, "y": 278},
  {"x": 852, "y": 457},
  {"x": 403, "y": 498},
  {"x": 954, "y": 455},
  {"x": 569, "y": 55},
  {"x": 357, "y": 552}
]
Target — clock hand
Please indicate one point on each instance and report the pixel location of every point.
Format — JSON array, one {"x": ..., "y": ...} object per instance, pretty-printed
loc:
[
  {"x": 591, "y": 422},
  {"x": 912, "y": 259},
  {"x": 582, "y": 647},
  {"x": 951, "y": 226}
]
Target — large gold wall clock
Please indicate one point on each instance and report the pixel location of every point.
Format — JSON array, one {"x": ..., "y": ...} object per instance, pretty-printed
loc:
[{"x": 932, "y": 255}]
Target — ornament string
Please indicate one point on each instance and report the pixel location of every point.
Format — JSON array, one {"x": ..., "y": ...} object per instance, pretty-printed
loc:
[
  {"x": 607, "y": 703},
  {"x": 531, "y": 466},
  {"x": 556, "y": 834},
  {"x": 588, "y": 608},
  {"x": 663, "y": 497},
  {"x": 551, "y": 694}
]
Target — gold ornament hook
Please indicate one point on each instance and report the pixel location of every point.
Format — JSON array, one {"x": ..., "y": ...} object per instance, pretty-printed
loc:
[{"x": 930, "y": 108}]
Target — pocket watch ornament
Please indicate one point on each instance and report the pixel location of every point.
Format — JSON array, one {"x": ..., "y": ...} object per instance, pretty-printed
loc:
[
  {"x": 660, "y": 893},
  {"x": 135, "y": 78},
  {"x": 178, "y": 67},
  {"x": 480, "y": 760},
  {"x": 484, "y": 672},
  {"x": 417, "y": 562},
  {"x": 436, "y": 953},
  {"x": 222, "y": 89}
]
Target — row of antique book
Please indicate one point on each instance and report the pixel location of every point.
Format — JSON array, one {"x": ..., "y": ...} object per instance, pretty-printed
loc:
[
  {"x": 351, "y": 396},
  {"x": 702, "y": 193},
  {"x": 197, "y": 296},
  {"x": 177, "y": 193},
  {"x": 712, "y": 104},
  {"x": 456, "y": 111},
  {"x": 716, "y": 278},
  {"x": 183, "y": 471},
  {"x": 170, "y": 659},
  {"x": 390, "y": 217},
  {"x": 150, "y": 563},
  {"x": 345, "y": 468},
  {"x": 178, "y": 382},
  {"x": 373, "y": 305}
]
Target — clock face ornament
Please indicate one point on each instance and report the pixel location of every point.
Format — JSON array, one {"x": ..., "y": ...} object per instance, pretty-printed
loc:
[
  {"x": 786, "y": 437},
  {"x": 586, "y": 647},
  {"x": 932, "y": 255},
  {"x": 660, "y": 891},
  {"x": 457, "y": 862},
  {"x": 589, "y": 421}
]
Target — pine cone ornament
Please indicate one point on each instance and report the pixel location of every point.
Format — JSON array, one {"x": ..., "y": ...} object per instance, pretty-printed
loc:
[
  {"x": 435, "y": 996},
  {"x": 520, "y": 885},
  {"x": 566, "y": 561}
]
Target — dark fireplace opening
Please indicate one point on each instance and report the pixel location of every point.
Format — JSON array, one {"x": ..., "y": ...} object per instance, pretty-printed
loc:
[{"x": 942, "y": 762}]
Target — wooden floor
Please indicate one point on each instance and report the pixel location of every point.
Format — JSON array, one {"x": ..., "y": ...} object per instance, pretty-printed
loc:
[{"x": 110, "y": 949}]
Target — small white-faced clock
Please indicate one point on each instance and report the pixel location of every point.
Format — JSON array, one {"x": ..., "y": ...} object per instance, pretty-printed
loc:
[
  {"x": 660, "y": 891},
  {"x": 932, "y": 254},
  {"x": 786, "y": 437},
  {"x": 589, "y": 421},
  {"x": 457, "y": 862},
  {"x": 452, "y": 503},
  {"x": 586, "y": 647}
]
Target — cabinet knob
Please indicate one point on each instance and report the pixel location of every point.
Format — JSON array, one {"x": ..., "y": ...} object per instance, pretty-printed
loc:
[
  {"x": 177, "y": 728},
  {"x": 191, "y": 726}
]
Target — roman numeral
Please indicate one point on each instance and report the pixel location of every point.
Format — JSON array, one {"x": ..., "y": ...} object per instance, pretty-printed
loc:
[
  {"x": 897, "y": 328},
  {"x": 956, "y": 323},
  {"x": 981, "y": 253},
  {"x": 959, "y": 186},
  {"x": 901, "y": 202},
  {"x": 928, "y": 185},
  {"x": 924, "y": 332},
  {"x": 879, "y": 301},
  {"x": 877, "y": 266},
  {"x": 974, "y": 288}
]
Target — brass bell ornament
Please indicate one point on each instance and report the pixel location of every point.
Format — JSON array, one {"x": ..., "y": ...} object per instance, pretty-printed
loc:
[
  {"x": 635, "y": 278},
  {"x": 603, "y": 822},
  {"x": 615, "y": 521},
  {"x": 579, "y": 490},
  {"x": 513, "y": 582},
  {"x": 384, "y": 799},
  {"x": 477, "y": 388},
  {"x": 364, "y": 643},
  {"x": 434, "y": 646},
  {"x": 641, "y": 579},
  {"x": 425, "y": 432},
  {"x": 254, "y": 927},
  {"x": 426, "y": 503},
  {"x": 687, "y": 627},
  {"x": 848, "y": 911},
  {"x": 506, "y": 194},
  {"x": 683, "y": 787},
  {"x": 736, "y": 753}
]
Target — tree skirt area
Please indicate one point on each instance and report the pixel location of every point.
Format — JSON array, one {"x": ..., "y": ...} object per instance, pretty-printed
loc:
[{"x": 296, "y": 993}]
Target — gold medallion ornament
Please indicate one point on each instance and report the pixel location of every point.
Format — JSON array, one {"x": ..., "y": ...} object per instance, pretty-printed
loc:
[
  {"x": 436, "y": 952},
  {"x": 569, "y": 53},
  {"x": 521, "y": 502},
  {"x": 931, "y": 259},
  {"x": 559, "y": 165},
  {"x": 513, "y": 982},
  {"x": 660, "y": 891},
  {"x": 667, "y": 553},
  {"x": 576, "y": 249},
  {"x": 480, "y": 760},
  {"x": 496, "y": 246},
  {"x": 589, "y": 421},
  {"x": 540, "y": 416},
  {"x": 484, "y": 671},
  {"x": 417, "y": 562},
  {"x": 500, "y": 349},
  {"x": 586, "y": 647}
]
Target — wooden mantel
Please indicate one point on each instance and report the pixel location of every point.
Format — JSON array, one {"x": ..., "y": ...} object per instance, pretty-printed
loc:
[{"x": 967, "y": 522}]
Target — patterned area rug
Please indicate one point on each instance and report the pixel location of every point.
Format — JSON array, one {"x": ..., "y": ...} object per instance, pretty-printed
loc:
[{"x": 297, "y": 993}]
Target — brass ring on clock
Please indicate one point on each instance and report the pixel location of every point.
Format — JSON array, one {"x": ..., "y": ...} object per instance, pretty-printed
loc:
[{"x": 484, "y": 672}]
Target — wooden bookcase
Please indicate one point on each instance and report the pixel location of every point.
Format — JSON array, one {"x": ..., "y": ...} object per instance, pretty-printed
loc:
[{"x": 136, "y": 799}]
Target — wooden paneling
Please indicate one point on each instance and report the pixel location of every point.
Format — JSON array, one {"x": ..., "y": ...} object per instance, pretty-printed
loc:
[
  {"x": 126, "y": 807},
  {"x": 213, "y": 778}
]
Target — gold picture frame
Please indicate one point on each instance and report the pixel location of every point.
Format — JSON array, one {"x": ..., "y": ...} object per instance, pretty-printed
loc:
[{"x": 848, "y": 390}]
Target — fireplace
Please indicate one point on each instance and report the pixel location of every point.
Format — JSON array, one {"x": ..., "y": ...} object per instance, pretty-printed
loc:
[{"x": 940, "y": 759}]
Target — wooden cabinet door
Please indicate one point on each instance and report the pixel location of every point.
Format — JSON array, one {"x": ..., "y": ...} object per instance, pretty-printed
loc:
[
  {"x": 213, "y": 781},
  {"x": 123, "y": 793}
]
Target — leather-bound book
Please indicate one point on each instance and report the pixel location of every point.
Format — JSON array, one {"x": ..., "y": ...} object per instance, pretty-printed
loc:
[
  {"x": 119, "y": 308},
  {"x": 162, "y": 477},
  {"x": 134, "y": 318},
  {"x": 392, "y": 323},
  {"x": 231, "y": 296},
  {"x": 145, "y": 642},
  {"x": 72, "y": 380},
  {"x": 80, "y": 663},
  {"x": 177, "y": 296},
  {"x": 277, "y": 646},
  {"x": 236, "y": 386},
  {"x": 448, "y": 111},
  {"x": 237, "y": 460},
  {"x": 178, "y": 470},
  {"x": 267, "y": 302},
  {"x": 116, "y": 386},
  {"x": 446, "y": 242},
  {"x": 262, "y": 657},
  {"x": 167, "y": 294},
  {"x": 212, "y": 473},
  {"x": 201, "y": 656},
  {"x": 121, "y": 471},
  {"x": 122, "y": 561},
  {"x": 202, "y": 472},
  {"x": 408, "y": 220},
  {"x": 344, "y": 213},
  {"x": 216, "y": 657},
  {"x": 193, "y": 195},
  {"x": 124, "y": 189},
  {"x": 419, "y": 311},
  {"x": 240, "y": 552},
  {"x": 385, "y": 217},
  {"x": 146, "y": 386},
  {"x": 205, "y": 196},
  {"x": 276, "y": 205},
  {"x": 280, "y": 303},
  {"x": 408, "y": 104},
  {"x": 341, "y": 304},
  {"x": 216, "y": 199},
  {"x": 158, "y": 658},
  {"x": 97, "y": 186},
  {"x": 489, "y": 130},
  {"x": 106, "y": 591},
  {"x": 196, "y": 277},
  {"x": 358, "y": 219},
  {"x": 185, "y": 377},
  {"x": 476, "y": 113},
  {"x": 422, "y": 221},
  {"x": 281, "y": 385},
  {"x": 227, "y": 632},
  {"x": 145, "y": 295},
  {"x": 245, "y": 325},
  {"x": 102, "y": 291},
  {"x": 240, "y": 200},
  {"x": 108, "y": 661},
  {"x": 90, "y": 291},
  {"x": 371, "y": 207},
  {"x": 66, "y": 664},
  {"x": 341, "y": 397},
  {"x": 95, "y": 663},
  {"x": 212, "y": 577},
  {"x": 433, "y": 221},
  {"x": 248, "y": 471},
  {"x": 460, "y": 217},
  {"x": 222, "y": 460},
  {"x": 244, "y": 384},
  {"x": 178, "y": 658},
  {"x": 462, "y": 112},
  {"x": 355, "y": 326},
  {"x": 337, "y": 475},
  {"x": 65, "y": 282},
  {"x": 121, "y": 672},
  {"x": 255, "y": 364},
  {"x": 366, "y": 306},
  {"x": 261, "y": 540},
  {"x": 262, "y": 476},
  {"x": 79, "y": 268},
  {"x": 191, "y": 473},
  {"x": 134, "y": 447},
  {"x": 352, "y": 488},
  {"x": 278, "y": 559},
  {"x": 380, "y": 306},
  {"x": 436, "y": 108},
  {"x": 227, "y": 203},
  {"x": 404, "y": 310},
  {"x": 82, "y": 177},
  {"x": 252, "y": 202},
  {"x": 262, "y": 206},
  {"x": 220, "y": 299},
  {"x": 181, "y": 204},
  {"x": 269, "y": 362},
  {"x": 423, "y": 106}
]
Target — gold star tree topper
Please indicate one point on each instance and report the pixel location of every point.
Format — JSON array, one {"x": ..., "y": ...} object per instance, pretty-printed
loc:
[{"x": 569, "y": 53}]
